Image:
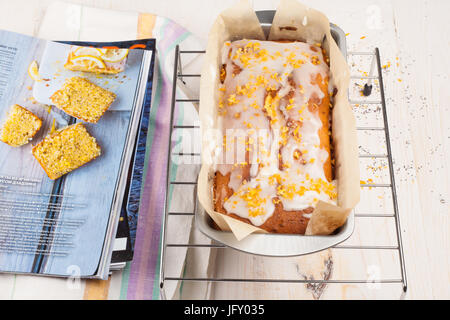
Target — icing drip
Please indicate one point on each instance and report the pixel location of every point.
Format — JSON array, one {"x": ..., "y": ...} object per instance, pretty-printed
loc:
[{"x": 268, "y": 113}]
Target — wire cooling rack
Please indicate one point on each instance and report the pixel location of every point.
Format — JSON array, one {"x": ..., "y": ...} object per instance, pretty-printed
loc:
[{"x": 368, "y": 78}]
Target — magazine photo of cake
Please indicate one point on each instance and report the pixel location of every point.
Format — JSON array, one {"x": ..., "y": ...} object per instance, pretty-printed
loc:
[
  {"x": 108, "y": 61},
  {"x": 69, "y": 117}
]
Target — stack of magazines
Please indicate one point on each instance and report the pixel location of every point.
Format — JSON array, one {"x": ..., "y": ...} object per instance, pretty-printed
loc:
[{"x": 73, "y": 131}]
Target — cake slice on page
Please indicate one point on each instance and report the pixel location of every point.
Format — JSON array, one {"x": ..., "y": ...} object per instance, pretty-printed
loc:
[
  {"x": 82, "y": 99},
  {"x": 20, "y": 127}
]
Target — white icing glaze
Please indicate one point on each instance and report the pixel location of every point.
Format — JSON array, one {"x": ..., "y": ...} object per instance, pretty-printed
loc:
[{"x": 264, "y": 110}]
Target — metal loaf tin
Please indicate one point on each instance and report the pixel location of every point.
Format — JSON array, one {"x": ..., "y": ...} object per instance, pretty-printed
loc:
[{"x": 278, "y": 245}]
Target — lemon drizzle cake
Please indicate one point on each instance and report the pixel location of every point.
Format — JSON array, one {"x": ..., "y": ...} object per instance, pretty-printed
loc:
[
  {"x": 66, "y": 150},
  {"x": 20, "y": 127},
  {"x": 82, "y": 99},
  {"x": 274, "y": 113},
  {"x": 96, "y": 60}
]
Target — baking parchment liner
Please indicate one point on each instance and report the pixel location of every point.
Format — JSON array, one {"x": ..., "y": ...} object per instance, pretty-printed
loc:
[{"x": 292, "y": 21}]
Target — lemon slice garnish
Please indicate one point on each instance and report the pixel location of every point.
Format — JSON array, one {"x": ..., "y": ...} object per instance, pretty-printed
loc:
[
  {"x": 88, "y": 61},
  {"x": 87, "y": 51},
  {"x": 33, "y": 71},
  {"x": 115, "y": 55}
]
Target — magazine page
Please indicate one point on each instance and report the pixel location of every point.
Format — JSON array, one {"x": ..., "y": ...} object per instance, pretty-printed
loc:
[{"x": 69, "y": 116}]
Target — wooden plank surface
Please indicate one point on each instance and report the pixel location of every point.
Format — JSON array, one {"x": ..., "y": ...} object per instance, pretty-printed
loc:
[{"x": 420, "y": 130}]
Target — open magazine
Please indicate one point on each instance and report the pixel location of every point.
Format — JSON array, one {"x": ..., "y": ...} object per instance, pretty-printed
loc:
[{"x": 73, "y": 125}]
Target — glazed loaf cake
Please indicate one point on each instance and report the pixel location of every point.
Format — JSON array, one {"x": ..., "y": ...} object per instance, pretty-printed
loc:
[
  {"x": 66, "y": 150},
  {"x": 274, "y": 112}
]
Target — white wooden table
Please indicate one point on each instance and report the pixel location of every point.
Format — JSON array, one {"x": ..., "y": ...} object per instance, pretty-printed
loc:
[{"x": 414, "y": 37}]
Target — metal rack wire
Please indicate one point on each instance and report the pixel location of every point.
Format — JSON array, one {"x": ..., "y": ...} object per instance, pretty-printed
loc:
[{"x": 179, "y": 75}]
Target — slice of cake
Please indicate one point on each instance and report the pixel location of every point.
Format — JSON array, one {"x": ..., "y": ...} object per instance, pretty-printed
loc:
[
  {"x": 82, "y": 99},
  {"x": 66, "y": 150},
  {"x": 20, "y": 127}
]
